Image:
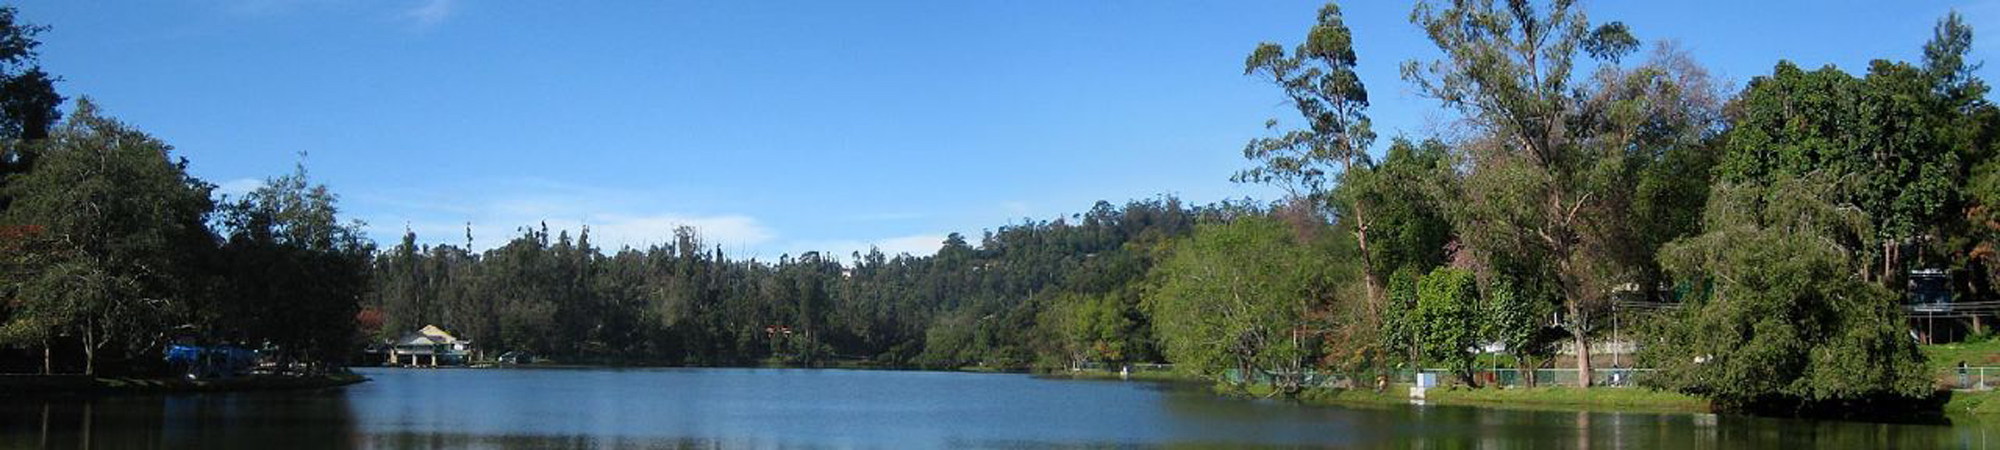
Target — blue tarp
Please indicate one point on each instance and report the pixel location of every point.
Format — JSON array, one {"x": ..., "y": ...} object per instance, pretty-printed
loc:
[{"x": 211, "y": 361}]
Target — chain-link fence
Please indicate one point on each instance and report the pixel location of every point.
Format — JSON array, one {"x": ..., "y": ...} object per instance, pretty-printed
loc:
[
  {"x": 1489, "y": 377},
  {"x": 1609, "y": 377},
  {"x": 1972, "y": 378}
]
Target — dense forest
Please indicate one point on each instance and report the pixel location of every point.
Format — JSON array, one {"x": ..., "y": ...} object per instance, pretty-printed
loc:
[
  {"x": 1769, "y": 232},
  {"x": 687, "y": 302}
]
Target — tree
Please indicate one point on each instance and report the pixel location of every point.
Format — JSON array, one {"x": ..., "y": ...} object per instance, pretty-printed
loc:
[
  {"x": 1780, "y": 323},
  {"x": 1518, "y": 320},
  {"x": 1899, "y": 142},
  {"x": 1401, "y": 333},
  {"x": 297, "y": 273},
  {"x": 1446, "y": 319},
  {"x": 1240, "y": 296},
  {"x": 1318, "y": 78},
  {"x": 28, "y": 99},
  {"x": 119, "y": 225},
  {"x": 1550, "y": 177},
  {"x": 1410, "y": 228}
]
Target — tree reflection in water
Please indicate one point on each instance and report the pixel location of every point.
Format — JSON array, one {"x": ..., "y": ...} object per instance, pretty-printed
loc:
[{"x": 770, "y": 408}]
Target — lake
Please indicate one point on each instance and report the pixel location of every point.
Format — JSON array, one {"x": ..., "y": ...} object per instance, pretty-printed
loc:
[{"x": 763, "y": 408}]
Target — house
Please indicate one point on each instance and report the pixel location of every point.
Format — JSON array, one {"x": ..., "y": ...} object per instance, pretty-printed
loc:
[{"x": 430, "y": 346}]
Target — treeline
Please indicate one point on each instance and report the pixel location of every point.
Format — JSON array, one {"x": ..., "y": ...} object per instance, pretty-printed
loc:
[
  {"x": 688, "y": 303},
  {"x": 110, "y": 251},
  {"x": 1773, "y": 230}
]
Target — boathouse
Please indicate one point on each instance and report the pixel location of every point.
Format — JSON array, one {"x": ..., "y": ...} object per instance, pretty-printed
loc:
[{"x": 430, "y": 346}]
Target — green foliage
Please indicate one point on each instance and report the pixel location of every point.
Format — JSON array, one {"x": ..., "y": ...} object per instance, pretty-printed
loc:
[
  {"x": 1004, "y": 303},
  {"x": 1447, "y": 319},
  {"x": 1896, "y": 142},
  {"x": 1318, "y": 78},
  {"x": 28, "y": 98},
  {"x": 1519, "y": 321},
  {"x": 1092, "y": 328},
  {"x": 295, "y": 274},
  {"x": 1238, "y": 296},
  {"x": 1549, "y": 198},
  {"x": 1400, "y": 333},
  {"x": 117, "y": 227},
  {"x": 1409, "y": 228},
  {"x": 1786, "y": 321}
]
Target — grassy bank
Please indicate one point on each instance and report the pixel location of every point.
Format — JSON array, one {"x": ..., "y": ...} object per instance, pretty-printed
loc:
[
  {"x": 1097, "y": 374},
  {"x": 1944, "y": 358},
  {"x": 1628, "y": 399},
  {"x": 1567, "y": 397},
  {"x": 1973, "y": 402},
  {"x": 23, "y": 385},
  {"x": 1978, "y": 351}
]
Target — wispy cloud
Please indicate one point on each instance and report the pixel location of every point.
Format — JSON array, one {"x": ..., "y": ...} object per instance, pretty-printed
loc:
[
  {"x": 642, "y": 231},
  {"x": 885, "y": 217},
  {"x": 237, "y": 188},
  {"x": 1016, "y": 208},
  {"x": 616, "y": 218},
  {"x": 844, "y": 249},
  {"x": 428, "y": 12}
]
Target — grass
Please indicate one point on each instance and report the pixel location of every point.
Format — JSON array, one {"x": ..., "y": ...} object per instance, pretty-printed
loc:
[
  {"x": 1395, "y": 394},
  {"x": 1618, "y": 398},
  {"x": 1973, "y": 402},
  {"x": 1631, "y": 399},
  {"x": 1981, "y": 351},
  {"x": 1564, "y": 398},
  {"x": 1146, "y": 375}
]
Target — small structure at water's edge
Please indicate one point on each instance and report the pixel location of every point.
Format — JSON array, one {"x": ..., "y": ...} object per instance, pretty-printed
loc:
[
  {"x": 430, "y": 346},
  {"x": 1425, "y": 382},
  {"x": 221, "y": 361}
]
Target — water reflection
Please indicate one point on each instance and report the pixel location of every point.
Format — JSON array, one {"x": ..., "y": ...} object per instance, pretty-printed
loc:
[
  {"x": 778, "y": 408},
  {"x": 307, "y": 420}
]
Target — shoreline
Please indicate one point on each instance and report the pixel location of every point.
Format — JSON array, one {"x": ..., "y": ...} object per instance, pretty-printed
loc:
[
  {"x": 1547, "y": 398},
  {"x": 58, "y": 385}
]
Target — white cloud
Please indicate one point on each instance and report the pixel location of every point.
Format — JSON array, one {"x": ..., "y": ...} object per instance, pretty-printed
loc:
[
  {"x": 499, "y": 209},
  {"x": 1018, "y": 209},
  {"x": 734, "y": 233},
  {"x": 885, "y": 217},
  {"x": 918, "y": 245},
  {"x": 844, "y": 249},
  {"x": 239, "y": 187},
  {"x": 428, "y": 12},
  {"x": 730, "y": 231}
]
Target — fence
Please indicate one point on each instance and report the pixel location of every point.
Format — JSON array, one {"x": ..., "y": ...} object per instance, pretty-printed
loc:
[
  {"x": 1134, "y": 367},
  {"x": 1983, "y": 377},
  {"x": 1613, "y": 377},
  {"x": 1973, "y": 378},
  {"x": 1605, "y": 377}
]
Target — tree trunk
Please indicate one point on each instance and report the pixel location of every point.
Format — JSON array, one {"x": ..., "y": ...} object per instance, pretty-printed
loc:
[
  {"x": 1527, "y": 371},
  {"x": 1888, "y": 260},
  {"x": 48, "y": 364},
  {"x": 1582, "y": 360},
  {"x": 89, "y": 350}
]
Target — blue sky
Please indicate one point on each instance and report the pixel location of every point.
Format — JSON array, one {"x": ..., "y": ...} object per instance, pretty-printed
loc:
[{"x": 781, "y": 127}]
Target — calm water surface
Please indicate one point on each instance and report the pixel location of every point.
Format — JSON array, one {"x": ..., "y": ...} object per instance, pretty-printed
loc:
[{"x": 667, "y": 408}]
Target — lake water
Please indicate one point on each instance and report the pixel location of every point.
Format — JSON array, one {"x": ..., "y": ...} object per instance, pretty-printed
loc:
[{"x": 763, "y": 408}]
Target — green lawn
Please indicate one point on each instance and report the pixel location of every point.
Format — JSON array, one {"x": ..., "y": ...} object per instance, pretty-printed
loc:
[
  {"x": 1142, "y": 375},
  {"x": 1639, "y": 399},
  {"x": 1619, "y": 398},
  {"x": 1976, "y": 352}
]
